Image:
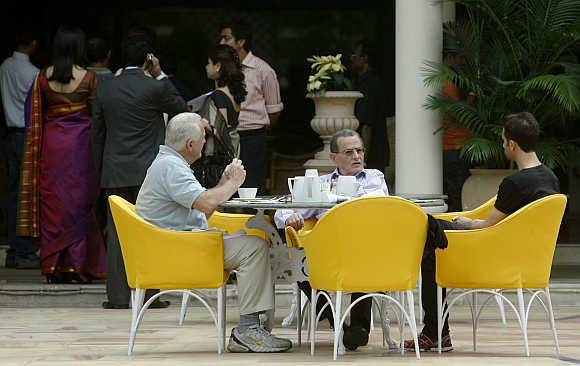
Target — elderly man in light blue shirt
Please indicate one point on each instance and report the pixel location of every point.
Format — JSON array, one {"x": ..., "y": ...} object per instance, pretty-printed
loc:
[
  {"x": 172, "y": 198},
  {"x": 17, "y": 74},
  {"x": 347, "y": 152}
]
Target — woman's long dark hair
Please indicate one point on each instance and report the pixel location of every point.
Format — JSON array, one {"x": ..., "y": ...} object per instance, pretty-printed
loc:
[
  {"x": 231, "y": 74},
  {"x": 68, "y": 50}
]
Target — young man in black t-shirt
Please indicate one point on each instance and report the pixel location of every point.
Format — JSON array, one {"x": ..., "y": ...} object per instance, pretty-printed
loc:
[{"x": 532, "y": 181}]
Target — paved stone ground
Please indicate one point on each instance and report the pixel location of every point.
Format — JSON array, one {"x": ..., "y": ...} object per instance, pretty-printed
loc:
[{"x": 92, "y": 336}]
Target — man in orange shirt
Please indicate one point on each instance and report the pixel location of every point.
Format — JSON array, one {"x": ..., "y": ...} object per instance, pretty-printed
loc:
[
  {"x": 261, "y": 108},
  {"x": 455, "y": 168}
]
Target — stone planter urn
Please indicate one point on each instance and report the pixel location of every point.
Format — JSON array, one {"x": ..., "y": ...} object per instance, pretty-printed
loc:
[
  {"x": 334, "y": 111},
  {"x": 481, "y": 185}
]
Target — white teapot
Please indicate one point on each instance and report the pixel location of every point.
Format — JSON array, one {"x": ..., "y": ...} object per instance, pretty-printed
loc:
[{"x": 306, "y": 188}]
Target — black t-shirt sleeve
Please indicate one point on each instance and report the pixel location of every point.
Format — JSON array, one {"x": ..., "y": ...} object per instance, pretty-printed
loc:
[{"x": 508, "y": 197}]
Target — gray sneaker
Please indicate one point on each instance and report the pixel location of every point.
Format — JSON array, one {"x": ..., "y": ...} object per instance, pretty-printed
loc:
[{"x": 257, "y": 339}]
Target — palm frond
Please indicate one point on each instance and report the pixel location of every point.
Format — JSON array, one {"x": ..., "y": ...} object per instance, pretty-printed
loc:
[
  {"x": 479, "y": 151},
  {"x": 558, "y": 14},
  {"x": 564, "y": 90},
  {"x": 557, "y": 154},
  {"x": 436, "y": 74}
]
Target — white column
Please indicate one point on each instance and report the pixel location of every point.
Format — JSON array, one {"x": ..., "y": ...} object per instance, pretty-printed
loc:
[{"x": 418, "y": 163}]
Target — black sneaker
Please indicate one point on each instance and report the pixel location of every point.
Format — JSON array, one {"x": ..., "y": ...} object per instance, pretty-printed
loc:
[
  {"x": 108, "y": 305},
  {"x": 355, "y": 337},
  {"x": 159, "y": 304}
]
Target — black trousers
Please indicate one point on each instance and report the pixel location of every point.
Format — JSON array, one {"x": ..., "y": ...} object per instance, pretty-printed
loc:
[
  {"x": 429, "y": 288},
  {"x": 455, "y": 172},
  {"x": 360, "y": 316},
  {"x": 254, "y": 156},
  {"x": 118, "y": 291}
]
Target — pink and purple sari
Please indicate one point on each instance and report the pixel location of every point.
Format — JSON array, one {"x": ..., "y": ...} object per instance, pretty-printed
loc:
[{"x": 59, "y": 185}]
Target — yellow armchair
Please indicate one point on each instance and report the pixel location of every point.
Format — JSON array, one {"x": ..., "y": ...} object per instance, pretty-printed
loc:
[
  {"x": 171, "y": 261},
  {"x": 516, "y": 253},
  {"x": 346, "y": 252}
]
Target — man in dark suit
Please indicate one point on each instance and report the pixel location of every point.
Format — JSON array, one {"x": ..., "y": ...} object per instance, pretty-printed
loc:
[{"x": 128, "y": 127}]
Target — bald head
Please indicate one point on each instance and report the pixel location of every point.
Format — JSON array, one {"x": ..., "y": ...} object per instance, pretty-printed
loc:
[{"x": 182, "y": 127}]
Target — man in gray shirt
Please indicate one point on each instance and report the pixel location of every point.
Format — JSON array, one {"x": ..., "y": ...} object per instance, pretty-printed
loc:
[{"x": 171, "y": 198}]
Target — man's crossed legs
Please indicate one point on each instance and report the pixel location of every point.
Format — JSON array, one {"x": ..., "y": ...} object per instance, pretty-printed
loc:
[{"x": 249, "y": 256}]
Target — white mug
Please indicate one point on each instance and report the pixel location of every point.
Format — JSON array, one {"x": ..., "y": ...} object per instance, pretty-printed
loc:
[
  {"x": 346, "y": 185},
  {"x": 311, "y": 173}
]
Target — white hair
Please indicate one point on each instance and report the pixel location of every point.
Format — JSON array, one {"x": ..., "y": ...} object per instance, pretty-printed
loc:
[{"x": 182, "y": 127}]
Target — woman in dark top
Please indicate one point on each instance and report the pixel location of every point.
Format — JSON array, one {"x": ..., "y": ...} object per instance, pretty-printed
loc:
[
  {"x": 224, "y": 67},
  {"x": 222, "y": 140}
]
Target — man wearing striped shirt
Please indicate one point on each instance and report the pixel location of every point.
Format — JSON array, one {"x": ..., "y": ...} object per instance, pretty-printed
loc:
[{"x": 261, "y": 107}]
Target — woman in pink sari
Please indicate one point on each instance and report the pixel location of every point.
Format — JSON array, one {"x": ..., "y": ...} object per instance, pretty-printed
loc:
[{"x": 59, "y": 185}]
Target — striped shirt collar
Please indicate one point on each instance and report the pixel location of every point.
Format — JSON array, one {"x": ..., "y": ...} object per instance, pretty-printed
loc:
[
  {"x": 335, "y": 174},
  {"x": 250, "y": 60}
]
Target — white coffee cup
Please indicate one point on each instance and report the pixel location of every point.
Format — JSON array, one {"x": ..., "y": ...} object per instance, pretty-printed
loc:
[
  {"x": 346, "y": 185},
  {"x": 247, "y": 192},
  {"x": 311, "y": 173}
]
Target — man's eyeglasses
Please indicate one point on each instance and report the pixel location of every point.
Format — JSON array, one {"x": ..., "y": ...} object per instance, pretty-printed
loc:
[{"x": 350, "y": 152}]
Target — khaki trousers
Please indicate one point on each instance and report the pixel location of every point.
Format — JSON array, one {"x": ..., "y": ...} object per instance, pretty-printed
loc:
[{"x": 249, "y": 256}]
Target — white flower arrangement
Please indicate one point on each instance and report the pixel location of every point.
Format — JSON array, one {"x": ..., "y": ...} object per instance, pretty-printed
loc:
[{"x": 328, "y": 74}]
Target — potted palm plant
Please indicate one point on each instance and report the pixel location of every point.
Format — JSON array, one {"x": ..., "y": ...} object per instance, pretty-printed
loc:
[
  {"x": 334, "y": 103},
  {"x": 512, "y": 56}
]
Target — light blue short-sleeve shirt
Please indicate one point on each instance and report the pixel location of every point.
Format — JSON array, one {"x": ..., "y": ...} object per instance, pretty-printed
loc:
[{"x": 168, "y": 193}]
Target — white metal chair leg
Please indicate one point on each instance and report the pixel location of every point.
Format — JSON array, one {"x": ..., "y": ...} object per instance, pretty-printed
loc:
[
  {"x": 440, "y": 320},
  {"x": 137, "y": 296},
  {"x": 337, "y": 327},
  {"x": 221, "y": 306},
  {"x": 523, "y": 320},
  {"x": 312, "y": 320},
  {"x": 412, "y": 321},
  {"x": 501, "y": 309},
  {"x": 183, "y": 310},
  {"x": 552, "y": 321}
]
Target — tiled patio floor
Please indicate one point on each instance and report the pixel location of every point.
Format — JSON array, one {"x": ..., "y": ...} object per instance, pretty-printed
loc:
[{"x": 92, "y": 336}]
